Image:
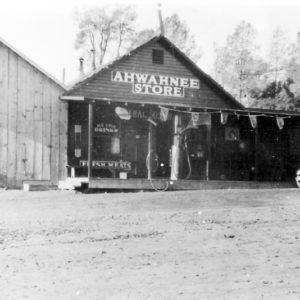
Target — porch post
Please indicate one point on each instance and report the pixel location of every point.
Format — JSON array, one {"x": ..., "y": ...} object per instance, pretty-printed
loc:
[
  {"x": 175, "y": 148},
  {"x": 208, "y": 159},
  {"x": 149, "y": 150},
  {"x": 90, "y": 139},
  {"x": 256, "y": 152}
]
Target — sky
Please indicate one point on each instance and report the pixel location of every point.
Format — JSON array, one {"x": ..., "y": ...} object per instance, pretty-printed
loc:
[{"x": 45, "y": 30}]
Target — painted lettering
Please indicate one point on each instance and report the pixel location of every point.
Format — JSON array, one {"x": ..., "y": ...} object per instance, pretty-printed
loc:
[
  {"x": 118, "y": 76},
  {"x": 163, "y": 80},
  {"x": 157, "y": 89},
  {"x": 83, "y": 163},
  {"x": 177, "y": 92},
  {"x": 194, "y": 84},
  {"x": 141, "y": 78},
  {"x": 152, "y": 80},
  {"x": 140, "y": 114},
  {"x": 147, "y": 87},
  {"x": 137, "y": 87},
  {"x": 128, "y": 77},
  {"x": 161, "y": 85},
  {"x": 104, "y": 164},
  {"x": 184, "y": 82},
  {"x": 174, "y": 81},
  {"x": 167, "y": 91}
]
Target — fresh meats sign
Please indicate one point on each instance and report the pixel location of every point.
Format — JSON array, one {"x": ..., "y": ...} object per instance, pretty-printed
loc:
[{"x": 159, "y": 85}]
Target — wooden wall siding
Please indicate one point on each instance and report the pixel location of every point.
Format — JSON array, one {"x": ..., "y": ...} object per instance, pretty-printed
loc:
[
  {"x": 102, "y": 86},
  {"x": 33, "y": 123},
  {"x": 3, "y": 114}
]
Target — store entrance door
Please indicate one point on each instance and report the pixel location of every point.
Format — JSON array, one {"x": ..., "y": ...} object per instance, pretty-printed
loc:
[
  {"x": 135, "y": 148},
  {"x": 195, "y": 153}
]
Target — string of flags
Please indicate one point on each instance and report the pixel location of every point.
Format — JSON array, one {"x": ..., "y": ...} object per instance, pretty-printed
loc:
[{"x": 204, "y": 118}]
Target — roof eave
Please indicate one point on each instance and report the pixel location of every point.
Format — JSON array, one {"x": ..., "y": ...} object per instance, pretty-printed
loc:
[{"x": 32, "y": 63}]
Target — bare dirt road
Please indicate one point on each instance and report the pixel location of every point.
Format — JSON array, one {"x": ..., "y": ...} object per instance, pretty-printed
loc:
[{"x": 234, "y": 244}]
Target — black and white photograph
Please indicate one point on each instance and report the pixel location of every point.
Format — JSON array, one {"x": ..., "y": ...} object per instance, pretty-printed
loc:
[{"x": 150, "y": 150}]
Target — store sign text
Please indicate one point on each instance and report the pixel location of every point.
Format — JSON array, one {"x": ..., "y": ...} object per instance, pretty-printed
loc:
[
  {"x": 159, "y": 85},
  {"x": 108, "y": 164},
  {"x": 139, "y": 114},
  {"x": 106, "y": 128}
]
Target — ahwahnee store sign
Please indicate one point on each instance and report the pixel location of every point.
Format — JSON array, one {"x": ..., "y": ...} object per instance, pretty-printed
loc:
[{"x": 159, "y": 85}]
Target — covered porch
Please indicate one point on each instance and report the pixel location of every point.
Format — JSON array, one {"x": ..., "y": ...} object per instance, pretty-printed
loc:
[{"x": 120, "y": 145}]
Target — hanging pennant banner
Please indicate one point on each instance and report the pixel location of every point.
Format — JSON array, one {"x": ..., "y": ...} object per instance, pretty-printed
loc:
[
  {"x": 204, "y": 119},
  {"x": 224, "y": 117},
  {"x": 253, "y": 121},
  {"x": 164, "y": 112},
  {"x": 195, "y": 118},
  {"x": 198, "y": 119},
  {"x": 280, "y": 122}
]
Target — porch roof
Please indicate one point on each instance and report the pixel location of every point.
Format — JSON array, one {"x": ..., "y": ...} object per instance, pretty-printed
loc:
[{"x": 181, "y": 107}]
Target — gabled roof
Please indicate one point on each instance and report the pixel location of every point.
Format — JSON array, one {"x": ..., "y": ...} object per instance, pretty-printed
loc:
[
  {"x": 24, "y": 57},
  {"x": 177, "y": 54},
  {"x": 197, "y": 71}
]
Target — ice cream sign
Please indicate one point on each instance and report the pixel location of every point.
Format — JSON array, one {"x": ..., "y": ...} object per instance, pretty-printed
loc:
[{"x": 160, "y": 85}]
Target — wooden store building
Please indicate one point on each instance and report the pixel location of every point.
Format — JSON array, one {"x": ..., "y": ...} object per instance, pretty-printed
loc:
[{"x": 153, "y": 119}]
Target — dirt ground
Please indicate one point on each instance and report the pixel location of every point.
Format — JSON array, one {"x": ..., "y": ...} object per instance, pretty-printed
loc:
[{"x": 232, "y": 244}]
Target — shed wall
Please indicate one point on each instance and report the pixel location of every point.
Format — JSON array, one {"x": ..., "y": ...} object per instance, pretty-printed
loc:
[{"x": 33, "y": 123}]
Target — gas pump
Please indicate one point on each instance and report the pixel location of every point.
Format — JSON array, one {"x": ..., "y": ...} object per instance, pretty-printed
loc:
[{"x": 193, "y": 152}]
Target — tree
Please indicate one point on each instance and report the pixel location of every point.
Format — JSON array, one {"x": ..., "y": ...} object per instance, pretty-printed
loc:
[
  {"x": 104, "y": 29},
  {"x": 178, "y": 33},
  {"x": 123, "y": 26},
  {"x": 276, "y": 88},
  {"x": 141, "y": 37},
  {"x": 110, "y": 31},
  {"x": 293, "y": 67},
  {"x": 236, "y": 63},
  {"x": 276, "y": 95},
  {"x": 279, "y": 52},
  {"x": 95, "y": 28}
]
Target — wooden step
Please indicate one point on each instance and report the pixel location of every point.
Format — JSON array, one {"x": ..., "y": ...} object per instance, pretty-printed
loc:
[
  {"x": 72, "y": 182},
  {"x": 38, "y": 185}
]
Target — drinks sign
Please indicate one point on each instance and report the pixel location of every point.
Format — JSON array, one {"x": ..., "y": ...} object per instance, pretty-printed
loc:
[
  {"x": 106, "y": 128},
  {"x": 159, "y": 85}
]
